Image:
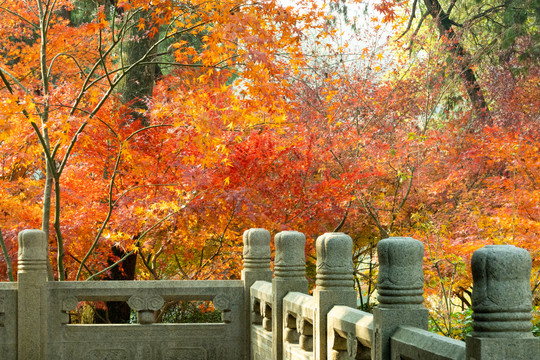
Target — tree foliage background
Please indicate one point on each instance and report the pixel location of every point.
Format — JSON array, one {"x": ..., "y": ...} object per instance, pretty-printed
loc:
[{"x": 145, "y": 137}]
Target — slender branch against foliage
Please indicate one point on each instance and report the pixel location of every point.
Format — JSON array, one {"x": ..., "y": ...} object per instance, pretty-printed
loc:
[{"x": 7, "y": 258}]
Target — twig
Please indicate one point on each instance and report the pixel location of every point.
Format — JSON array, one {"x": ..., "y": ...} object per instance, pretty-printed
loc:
[{"x": 9, "y": 265}]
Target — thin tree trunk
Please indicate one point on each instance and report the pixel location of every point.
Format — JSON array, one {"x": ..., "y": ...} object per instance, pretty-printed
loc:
[{"x": 49, "y": 178}]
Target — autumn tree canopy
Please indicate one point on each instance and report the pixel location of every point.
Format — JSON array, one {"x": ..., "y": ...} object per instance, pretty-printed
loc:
[{"x": 160, "y": 131}]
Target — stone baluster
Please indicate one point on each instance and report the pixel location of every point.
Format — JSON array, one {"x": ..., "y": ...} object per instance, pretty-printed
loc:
[
  {"x": 256, "y": 267},
  {"x": 334, "y": 284},
  {"x": 502, "y": 305},
  {"x": 400, "y": 290},
  {"x": 145, "y": 306},
  {"x": 32, "y": 295},
  {"x": 290, "y": 275}
]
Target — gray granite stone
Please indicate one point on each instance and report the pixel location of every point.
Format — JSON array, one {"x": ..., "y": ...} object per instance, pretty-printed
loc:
[
  {"x": 400, "y": 287},
  {"x": 502, "y": 305},
  {"x": 290, "y": 275},
  {"x": 334, "y": 284}
]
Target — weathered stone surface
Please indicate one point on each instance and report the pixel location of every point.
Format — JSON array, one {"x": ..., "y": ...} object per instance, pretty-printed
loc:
[
  {"x": 299, "y": 310},
  {"x": 335, "y": 284},
  {"x": 256, "y": 249},
  {"x": 8, "y": 321},
  {"x": 503, "y": 349},
  {"x": 139, "y": 303},
  {"x": 400, "y": 287},
  {"x": 145, "y": 307},
  {"x": 263, "y": 341},
  {"x": 34, "y": 313},
  {"x": 32, "y": 254},
  {"x": 350, "y": 333},
  {"x": 401, "y": 276},
  {"x": 32, "y": 295},
  {"x": 501, "y": 299},
  {"x": 417, "y": 344},
  {"x": 290, "y": 261},
  {"x": 256, "y": 268},
  {"x": 223, "y": 341},
  {"x": 502, "y": 305},
  {"x": 334, "y": 261},
  {"x": 290, "y": 275}
]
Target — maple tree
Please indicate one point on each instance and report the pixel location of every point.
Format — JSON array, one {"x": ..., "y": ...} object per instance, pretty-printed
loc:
[
  {"x": 164, "y": 131},
  {"x": 68, "y": 97}
]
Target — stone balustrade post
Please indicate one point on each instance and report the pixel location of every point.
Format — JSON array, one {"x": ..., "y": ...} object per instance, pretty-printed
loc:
[
  {"x": 32, "y": 295},
  {"x": 290, "y": 275},
  {"x": 502, "y": 305},
  {"x": 256, "y": 267},
  {"x": 400, "y": 290},
  {"x": 334, "y": 285}
]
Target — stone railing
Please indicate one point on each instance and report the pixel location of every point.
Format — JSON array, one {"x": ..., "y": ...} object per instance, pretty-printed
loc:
[
  {"x": 35, "y": 313},
  {"x": 270, "y": 315},
  {"x": 298, "y": 312},
  {"x": 327, "y": 324}
]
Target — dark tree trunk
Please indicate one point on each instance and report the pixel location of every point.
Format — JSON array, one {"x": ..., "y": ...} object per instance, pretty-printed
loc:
[
  {"x": 138, "y": 84},
  {"x": 118, "y": 312},
  {"x": 463, "y": 60}
]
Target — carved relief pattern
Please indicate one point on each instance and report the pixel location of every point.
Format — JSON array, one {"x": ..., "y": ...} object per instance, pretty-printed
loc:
[
  {"x": 501, "y": 300},
  {"x": 142, "y": 303},
  {"x": 492, "y": 278},
  {"x": 185, "y": 354},
  {"x": 290, "y": 249},
  {"x": 401, "y": 276},
  {"x": 300, "y": 324},
  {"x": 221, "y": 302},
  {"x": 256, "y": 244},
  {"x": 154, "y": 302},
  {"x": 69, "y": 303},
  {"x": 303, "y": 326},
  {"x": 145, "y": 351},
  {"x": 334, "y": 251},
  {"x": 352, "y": 345},
  {"x": 266, "y": 312},
  {"x": 334, "y": 261},
  {"x": 109, "y": 354},
  {"x": 137, "y": 303},
  {"x": 401, "y": 263}
]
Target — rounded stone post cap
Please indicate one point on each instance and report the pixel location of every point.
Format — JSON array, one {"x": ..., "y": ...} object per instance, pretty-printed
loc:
[
  {"x": 290, "y": 257},
  {"x": 501, "y": 296},
  {"x": 334, "y": 260},
  {"x": 401, "y": 275},
  {"x": 256, "y": 249},
  {"x": 257, "y": 243},
  {"x": 400, "y": 251},
  {"x": 32, "y": 245},
  {"x": 501, "y": 275},
  {"x": 290, "y": 248}
]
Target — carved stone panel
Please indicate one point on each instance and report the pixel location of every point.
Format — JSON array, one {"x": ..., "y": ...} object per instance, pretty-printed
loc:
[
  {"x": 185, "y": 353},
  {"x": 107, "y": 354},
  {"x": 222, "y": 302}
]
